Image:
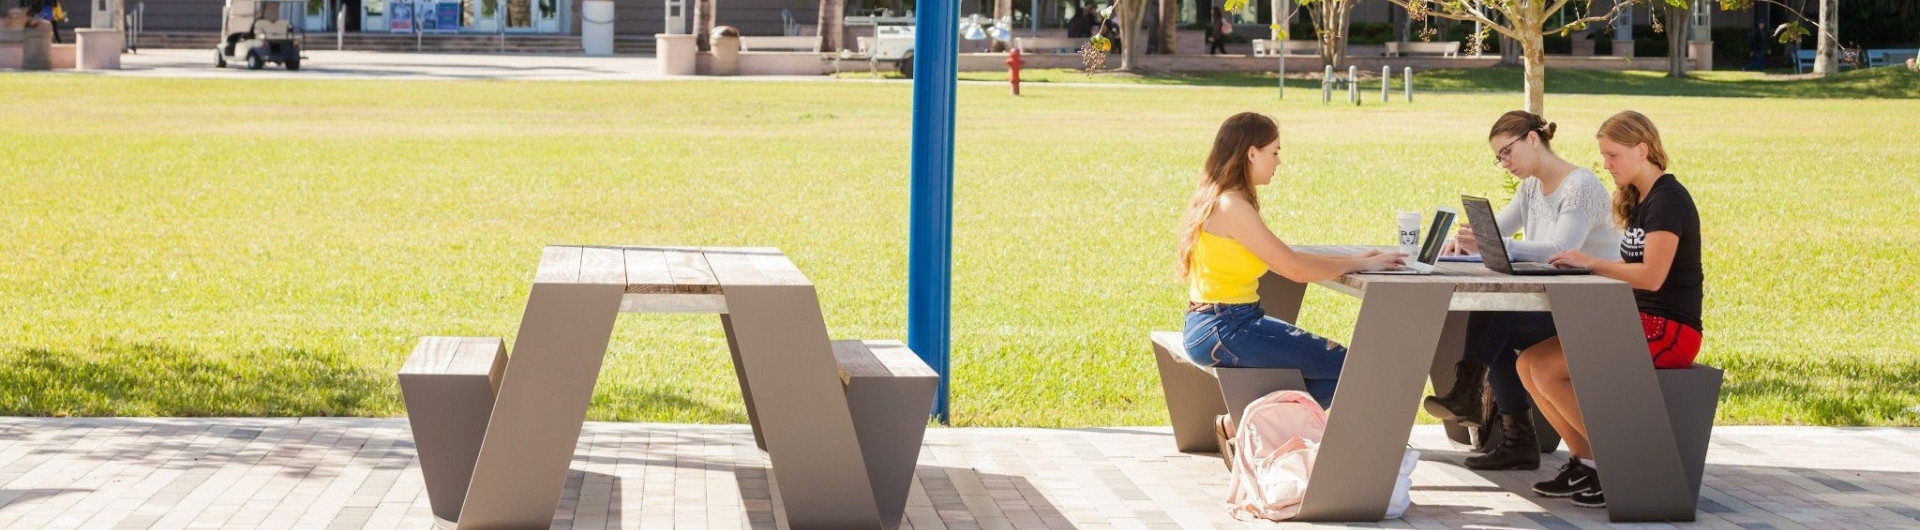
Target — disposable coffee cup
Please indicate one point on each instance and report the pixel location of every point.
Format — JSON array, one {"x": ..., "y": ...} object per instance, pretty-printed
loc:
[{"x": 1408, "y": 234}]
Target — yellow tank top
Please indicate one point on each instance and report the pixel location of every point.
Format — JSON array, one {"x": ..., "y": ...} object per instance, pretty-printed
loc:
[{"x": 1223, "y": 272}]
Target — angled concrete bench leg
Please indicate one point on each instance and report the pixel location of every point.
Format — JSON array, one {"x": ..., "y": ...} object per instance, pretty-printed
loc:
[
  {"x": 541, "y": 407},
  {"x": 1692, "y": 396},
  {"x": 789, "y": 369},
  {"x": 889, "y": 391},
  {"x": 746, "y": 394},
  {"x": 448, "y": 384},
  {"x": 1193, "y": 395}
]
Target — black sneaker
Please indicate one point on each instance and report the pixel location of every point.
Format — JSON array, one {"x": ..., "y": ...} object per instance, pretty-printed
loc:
[
  {"x": 1592, "y": 498},
  {"x": 1573, "y": 478}
]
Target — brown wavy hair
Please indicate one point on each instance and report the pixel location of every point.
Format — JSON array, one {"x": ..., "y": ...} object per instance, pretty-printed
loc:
[
  {"x": 1226, "y": 172},
  {"x": 1518, "y": 123},
  {"x": 1630, "y": 129}
]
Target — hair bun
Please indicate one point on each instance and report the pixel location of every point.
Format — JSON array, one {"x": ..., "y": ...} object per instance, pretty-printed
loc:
[{"x": 1546, "y": 131}]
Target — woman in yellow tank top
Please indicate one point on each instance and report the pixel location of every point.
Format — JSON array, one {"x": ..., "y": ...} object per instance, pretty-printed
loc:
[{"x": 1224, "y": 249}]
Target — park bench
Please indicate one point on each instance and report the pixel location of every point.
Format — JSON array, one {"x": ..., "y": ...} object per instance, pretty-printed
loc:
[
  {"x": 1803, "y": 61},
  {"x": 1889, "y": 57},
  {"x": 1269, "y": 48},
  {"x": 841, "y": 421},
  {"x": 1032, "y": 45},
  {"x": 766, "y": 44},
  {"x": 1443, "y": 49}
]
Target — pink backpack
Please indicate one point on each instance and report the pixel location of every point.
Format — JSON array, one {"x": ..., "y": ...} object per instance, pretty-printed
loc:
[
  {"x": 1277, "y": 441},
  {"x": 1278, "y": 437}
]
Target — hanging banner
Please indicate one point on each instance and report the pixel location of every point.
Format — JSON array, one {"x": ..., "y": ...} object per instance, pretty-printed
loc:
[
  {"x": 447, "y": 17},
  {"x": 400, "y": 17}
]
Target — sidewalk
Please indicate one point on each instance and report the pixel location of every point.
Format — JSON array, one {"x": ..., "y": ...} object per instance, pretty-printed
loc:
[
  {"x": 328, "y": 64},
  {"x": 361, "y": 473}
]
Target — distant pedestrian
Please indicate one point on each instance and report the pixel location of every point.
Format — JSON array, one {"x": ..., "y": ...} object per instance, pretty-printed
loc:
[{"x": 1757, "y": 44}]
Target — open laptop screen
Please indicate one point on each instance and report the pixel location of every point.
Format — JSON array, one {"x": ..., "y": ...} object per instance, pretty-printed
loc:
[{"x": 1437, "y": 234}]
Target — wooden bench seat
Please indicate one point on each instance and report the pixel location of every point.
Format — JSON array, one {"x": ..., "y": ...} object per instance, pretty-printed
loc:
[
  {"x": 1196, "y": 394},
  {"x": 449, "y": 384}
]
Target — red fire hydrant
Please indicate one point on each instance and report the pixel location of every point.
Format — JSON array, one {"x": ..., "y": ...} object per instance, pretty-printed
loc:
[{"x": 1013, "y": 69}]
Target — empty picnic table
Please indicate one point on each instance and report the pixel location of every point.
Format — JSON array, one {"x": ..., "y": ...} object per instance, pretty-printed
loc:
[{"x": 841, "y": 421}]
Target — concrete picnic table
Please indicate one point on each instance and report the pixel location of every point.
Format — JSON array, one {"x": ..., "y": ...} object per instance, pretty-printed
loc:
[
  {"x": 841, "y": 421},
  {"x": 1412, "y": 326}
]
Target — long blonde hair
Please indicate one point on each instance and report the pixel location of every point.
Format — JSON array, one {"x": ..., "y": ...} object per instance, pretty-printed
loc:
[
  {"x": 1226, "y": 172},
  {"x": 1630, "y": 129}
]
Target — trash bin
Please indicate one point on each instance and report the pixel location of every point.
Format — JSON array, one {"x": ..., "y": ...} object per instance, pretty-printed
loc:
[
  {"x": 676, "y": 54},
  {"x": 596, "y": 27},
  {"x": 99, "y": 49},
  {"x": 725, "y": 43}
]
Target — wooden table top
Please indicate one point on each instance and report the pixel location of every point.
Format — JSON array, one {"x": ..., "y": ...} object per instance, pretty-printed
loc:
[
  {"x": 1465, "y": 277},
  {"x": 668, "y": 270}
]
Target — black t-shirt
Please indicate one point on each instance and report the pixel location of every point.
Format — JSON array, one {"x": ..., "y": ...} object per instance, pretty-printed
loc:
[{"x": 1668, "y": 208}]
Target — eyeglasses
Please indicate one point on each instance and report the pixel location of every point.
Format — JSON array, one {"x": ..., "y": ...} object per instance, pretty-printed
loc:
[{"x": 1500, "y": 157}]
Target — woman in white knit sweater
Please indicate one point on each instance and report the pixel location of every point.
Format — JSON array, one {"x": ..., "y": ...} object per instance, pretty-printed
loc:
[{"x": 1559, "y": 206}]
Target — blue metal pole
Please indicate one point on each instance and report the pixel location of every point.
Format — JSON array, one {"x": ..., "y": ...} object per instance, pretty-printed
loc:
[{"x": 930, "y": 238}]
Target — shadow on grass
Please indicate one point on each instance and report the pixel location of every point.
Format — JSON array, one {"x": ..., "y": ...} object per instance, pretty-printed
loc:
[
  {"x": 1850, "y": 390},
  {"x": 639, "y": 402},
  {"x": 156, "y": 380}
]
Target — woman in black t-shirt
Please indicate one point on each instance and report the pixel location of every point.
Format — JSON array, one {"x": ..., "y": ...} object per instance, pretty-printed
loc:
[{"x": 1659, "y": 257}]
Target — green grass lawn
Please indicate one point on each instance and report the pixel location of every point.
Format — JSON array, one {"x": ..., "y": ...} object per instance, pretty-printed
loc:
[
  {"x": 1888, "y": 82},
  {"x": 197, "y": 247}
]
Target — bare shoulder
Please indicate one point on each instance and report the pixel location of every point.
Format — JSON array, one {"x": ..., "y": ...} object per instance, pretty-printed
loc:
[{"x": 1232, "y": 212}]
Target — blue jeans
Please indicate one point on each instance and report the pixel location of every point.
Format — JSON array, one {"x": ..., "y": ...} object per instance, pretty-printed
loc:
[
  {"x": 1242, "y": 336},
  {"x": 1496, "y": 338}
]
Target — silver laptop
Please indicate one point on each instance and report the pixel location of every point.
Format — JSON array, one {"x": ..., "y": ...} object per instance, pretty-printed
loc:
[{"x": 1437, "y": 234}]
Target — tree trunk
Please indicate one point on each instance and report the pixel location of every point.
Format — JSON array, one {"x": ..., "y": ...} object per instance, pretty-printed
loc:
[
  {"x": 1677, "y": 25},
  {"x": 703, "y": 23},
  {"x": 1129, "y": 12},
  {"x": 1509, "y": 51},
  {"x": 1345, "y": 19},
  {"x": 1330, "y": 28},
  {"x": 832, "y": 26},
  {"x": 1826, "y": 59},
  {"x": 1170, "y": 27},
  {"x": 1002, "y": 12},
  {"x": 1535, "y": 50}
]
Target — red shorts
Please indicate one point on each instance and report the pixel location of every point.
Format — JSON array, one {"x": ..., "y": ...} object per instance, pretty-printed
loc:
[{"x": 1672, "y": 344}]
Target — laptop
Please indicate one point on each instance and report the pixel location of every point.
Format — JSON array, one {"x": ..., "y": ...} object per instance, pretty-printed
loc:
[
  {"x": 1437, "y": 234},
  {"x": 1493, "y": 250}
]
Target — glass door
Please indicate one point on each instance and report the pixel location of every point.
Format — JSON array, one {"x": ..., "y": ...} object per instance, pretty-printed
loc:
[
  {"x": 316, "y": 16},
  {"x": 519, "y": 15},
  {"x": 547, "y": 16},
  {"x": 482, "y": 16}
]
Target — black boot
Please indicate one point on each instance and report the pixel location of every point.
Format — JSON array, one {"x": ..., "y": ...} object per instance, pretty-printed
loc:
[
  {"x": 1515, "y": 448},
  {"x": 1461, "y": 404}
]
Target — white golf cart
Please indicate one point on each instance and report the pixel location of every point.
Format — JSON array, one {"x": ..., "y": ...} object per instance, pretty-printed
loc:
[{"x": 252, "y": 31}]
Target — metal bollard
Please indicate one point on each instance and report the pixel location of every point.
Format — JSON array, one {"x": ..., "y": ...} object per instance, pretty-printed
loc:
[
  {"x": 1386, "y": 78},
  {"x": 1352, "y": 85},
  {"x": 1326, "y": 86},
  {"x": 1408, "y": 75}
]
